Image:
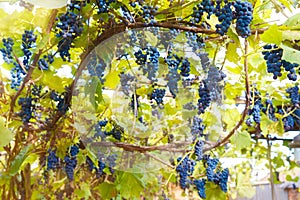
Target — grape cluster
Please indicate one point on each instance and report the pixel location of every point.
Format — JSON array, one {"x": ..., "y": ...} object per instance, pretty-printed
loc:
[
  {"x": 197, "y": 127},
  {"x": 294, "y": 94},
  {"x": 199, "y": 150},
  {"x": 69, "y": 26},
  {"x": 206, "y": 6},
  {"x": 243, "y": 12},
  {"x": 205, "y": 98},
  {"x": 28, "y": 42},
  {"x": 222, "y": 179},
  {"x": 189, "y": 106},
  {"x": 269, "y": 109},
  {"x": 225, "y": 16},
  {"x": 126, "y": 14},
  {"x": 74, "y": 150},
  {"x": 148, "y": 13},
  {"x": 173, "y": 77},
  {"x": 27, "y": 108},
  {"x": 52, "y": 160},
  {"x": 165, "y": 38},
  {"x": 103, "y": 5},
  {"x": 44, "y": 62},
  {"x": 214, "y": 83},
  {"x": 185, "y": 68},
  {"x": 194, "y": 41},
  {"x": 99, "y": 129},
  {"x": 148, "y": 61},
  {"x": 185, "y": 169},
  {"x": 288, "y": 123},
  {"x": 61, "y": 106},
  {"x": 273, "y": 56},
  {"x": 254, "y": 112},
  {"x": 36, "y": 90},
  {"x": 125, "y": 80},
  {"x": 96, "y": 67},
  {"x": 70, "y": 161},
  {"x": 111, "y": 160},
  {"x": 158, "y": 95},
  {"x": 70, "y": 164},
  {"x": 200, "y": 186},
  {"x": 7, "y": 51},
  {"x": 18, "y": 72},
  {"x": 211, "y": 166}
]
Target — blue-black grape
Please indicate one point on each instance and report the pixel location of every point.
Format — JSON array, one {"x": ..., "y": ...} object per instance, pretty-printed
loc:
[
  {"x": 27, "y": 108},
  {"x": 243, "y": 14},
  {"x": 205, "y": 98},
  {"x": 197, "y": 127},
  {"x": 225, "y": 16},
  {"x": 211, "y": 164},
  {"x": 147, "y": 58},
  {"x": 70, "y": 164},
  {"x": 224, "y": 179},
  {"x": 199, "y": 150},
  {"x": 288, "y": 123},
  {"x": 74, "y": 150},
  {"x": 61, "y": 106},
  {"x": 158, "y": 95},
  {"x": 185, "y": 68},
  {"x": 200, "y": 186},
  {"x": 52, "y": 160},
  {"x": 185, "y": 168},
  {"x": 126, "y": 80},
  {"x": 294, "y": 94},
  {"x": 273, "y": 56},
  {"x": 28, "y": 42},
  {"x": 69, "y": 27}
]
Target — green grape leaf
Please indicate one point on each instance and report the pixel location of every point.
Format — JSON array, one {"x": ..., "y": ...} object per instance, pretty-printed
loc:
[
  {"x": 84, "y": 191},
  {"x": 107, "y": 190},
  {"x": 290, "y": 54},
  {"x": 272, "y": 35},
  {"x": 213, "y": 192},
  {"x": 18, "y": 161},
  {"x": 132, "y": 190},
  {"x": 291, "y": 35},
  {"x": 241, "y": 140},
  {"x": 232, "y": 55},
  {"x": 244, "y": 186},
  {"x": 293, "y": 21},
  {"x": 151, "y": 38},
  {"x": 6, "y": 135}
]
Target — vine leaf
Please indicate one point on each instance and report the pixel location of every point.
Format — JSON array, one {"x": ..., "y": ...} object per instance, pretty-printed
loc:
[
  {"x": 241, "y": 140},
  {"x": 272, "y": 35},
  {"x": 293, "y": 21},
  {"x": 6, "y": 135},
  {"x": 243, "y": 185},
  {"x": 107, "y": 190},
  {"x": 132, "y": 190},
  {"x": 18, "y": 161},
  {"x": 290, "y": 54}
]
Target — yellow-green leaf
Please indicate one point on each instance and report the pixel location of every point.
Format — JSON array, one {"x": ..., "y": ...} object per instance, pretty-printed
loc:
[{"x": 272, "y": 35}]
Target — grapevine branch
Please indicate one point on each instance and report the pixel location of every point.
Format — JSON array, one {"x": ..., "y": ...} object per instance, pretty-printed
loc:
[
  {"x": 244, "y": 114},
  {"x": 32, "y": 66},
  {"x": 172, "y": 147}
]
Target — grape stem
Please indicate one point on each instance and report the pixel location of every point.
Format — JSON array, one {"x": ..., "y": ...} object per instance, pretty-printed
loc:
[{"x": 244, "y": 113}]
